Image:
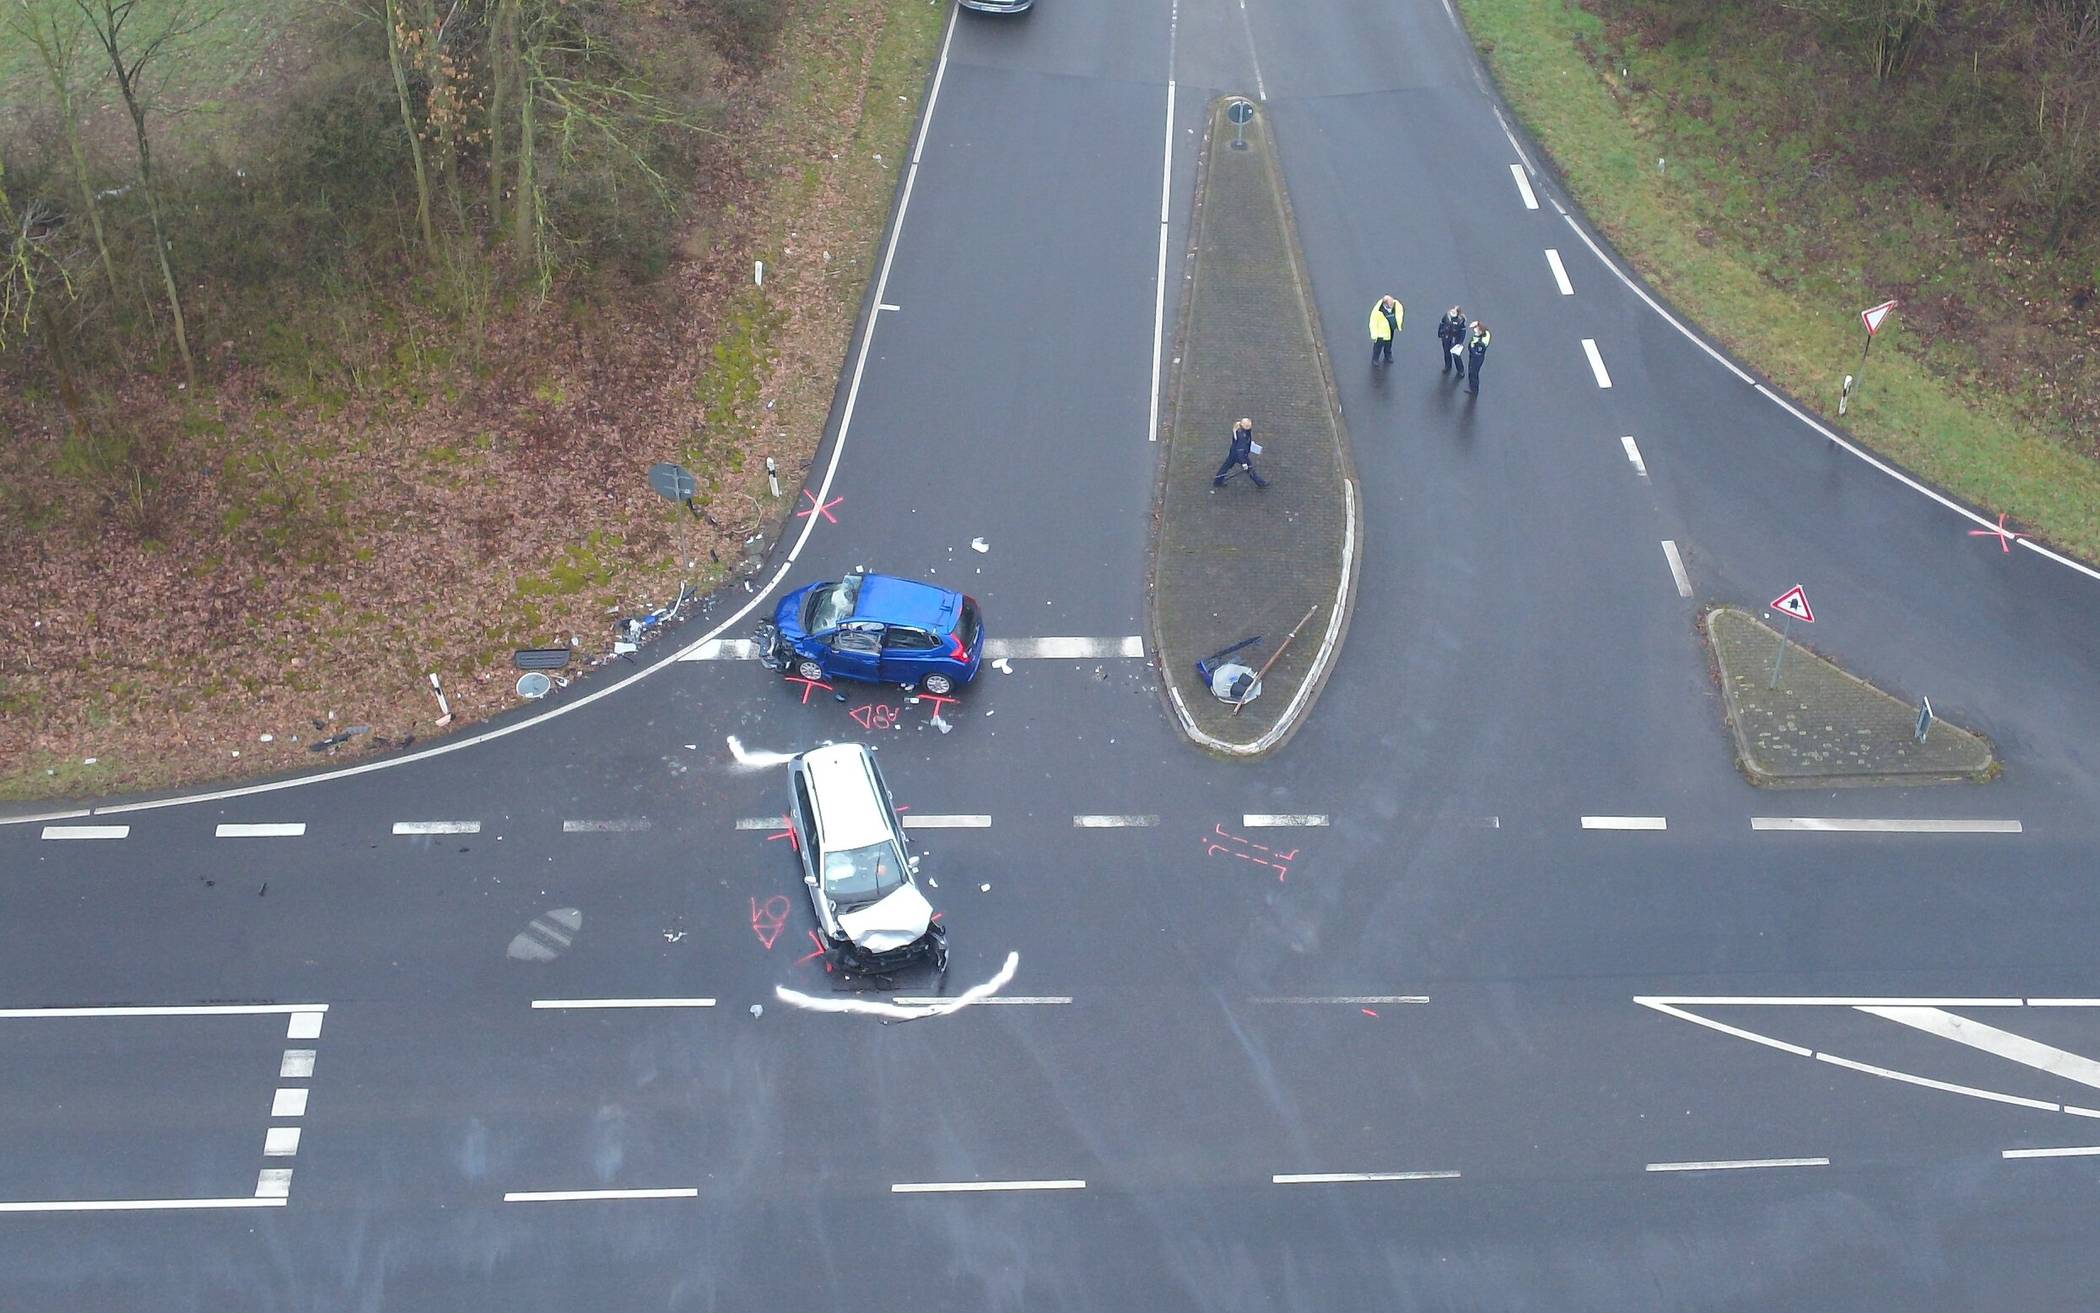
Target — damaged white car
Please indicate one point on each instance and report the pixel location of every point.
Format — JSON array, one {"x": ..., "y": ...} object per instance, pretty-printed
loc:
[{"x": 870, "y": 913}]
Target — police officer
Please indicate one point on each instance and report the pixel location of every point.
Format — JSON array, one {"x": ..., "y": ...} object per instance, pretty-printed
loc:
[
  {"x": 1476, "y": 356},
  {"x": 1450, "y": 334},
  {"x": 1242, "y": 453},
  {"x": 1385, "y": 326}
]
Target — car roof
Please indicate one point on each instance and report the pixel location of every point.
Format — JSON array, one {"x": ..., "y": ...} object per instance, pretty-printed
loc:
[
  {"x": 895, "y": 601},
  {"x": 849, "y": 810}
]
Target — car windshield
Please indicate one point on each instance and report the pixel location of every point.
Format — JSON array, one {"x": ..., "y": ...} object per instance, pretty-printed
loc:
[
  {"x": 856, "y": 877},
  {"x": 831, "y": 606}
]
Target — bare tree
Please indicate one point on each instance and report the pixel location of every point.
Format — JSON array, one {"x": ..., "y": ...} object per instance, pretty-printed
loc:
[
  {"x": 1884, "y": 30},
  {"x": 397, "y": 37},
  {"x": 136, "y": 60},
  {"x": 55, "y": 32}
]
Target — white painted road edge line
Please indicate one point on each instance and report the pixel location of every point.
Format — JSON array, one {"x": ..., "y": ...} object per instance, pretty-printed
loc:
[
  {"x": 171, "y": 1010},
  {"x": 1159, "y": 296},
  {"x": 266, "y": 830},
  {"x": 951, "y": 822},
  {"x": 1589, "y": 348},
  {"x": 1356, "y": 999},
  {"x": 1949, "y": 1087},
  {"x": 1625, "y": 823},
  {"x": 604, "y": 827},
  {"x": 1329, "y": 1178},
  {"x": 1683, "y": 580},
  {"x": 1516, "y": 171},
  {"x": 1821, "y": 1001},
  {"x": 581, "y": 1003},
  {"x": 1278, "y": 820},
  {"x": 573, "y": 1196},
  {"x": 1009, "y": 1000},
  {"x": 132, "y": 1205},
  {"x": 1560, "y": 273},
  {"x": 86, "y": 831},
  {"x": 1854, "y": 825},
  {"x": 1730, "y": 1164},
  {"x": 972, "y": 1187},
  {"x": 437, "y": 827},
  {"x": 1633, "y": 454},
  {"x": 1105, "y": 822},
  {"x": 2068, "y": 1151}
]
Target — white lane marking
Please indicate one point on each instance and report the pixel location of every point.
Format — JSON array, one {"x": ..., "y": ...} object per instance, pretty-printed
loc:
[
  {"x": 1261, "y": 89},
  {"x": 887, "y": 306},
  {"x": 1947, "y": 1086},
  {"x": 936, "y": 821},
  {"x": 273, "y": 1183},
  {"x": 1516, "y": 171},
  {"x": 281, "y": 1142},
  {"x": 2077, "y": 1111},
  {"x": 1990, "y": 1039},
  {"x": 1480, "y": 80},
  {"x": 304, "y": 1024},
  {"x": 1076, "y": 649},
  {"x": 1560, "y": 273},
  {"x": 1102, "y": 822},
  {"x": 1664, "y": 1006},
  {"x": 86, "y": 831},
  {"x": 2067, "y": 1151},
  {"x": 1731, "y": 1164},
  {"x": 289, "y": 1102},
  {"x": 633, "y": 826},
  {"x": 1653, "y": 304},
  {"x": 1279, "y": 820},
  {"x": 1356, "y": 999},
  {"x": 132, "y": 1205},
  {"x": 1633, "y": 454},
  {"x": 972, "y": 1187},
  {"x": 1159, "y": 280},
  {"x": 264, "y": 830},
  {"x": 761, "y": 823},
  {"x": 574, "y": 1196},
  {"x": 1822, "y": 1001},
  {"x": 1007, "y": 1000},
  {"x": 1329, "y": 1178},
  {"x": 36, "y": 818},
  {"x": 1625, "y": 823},
  {"x": 722, "y": 649},
  {"x": 1684, "y": 581},
  {"x": 731, "y": 621},
  {"x": 1589, "y": 348},
  {"x": 437, "y": 827},
  {"x": 1856, "y": 825},
  {"x": 173, "y": 1010},
  {"x": 580, "y": 1003},
  {"x": 297, "y": 1064},
  {"x": 2063, "y": 1002}
]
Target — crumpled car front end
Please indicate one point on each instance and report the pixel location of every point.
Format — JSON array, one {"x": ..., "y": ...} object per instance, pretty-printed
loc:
[{"x": 897, "y": 932}]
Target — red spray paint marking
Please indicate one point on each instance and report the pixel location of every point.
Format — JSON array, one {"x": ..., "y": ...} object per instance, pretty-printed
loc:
[
  {"x": 938, "y": 702},
  {"x": 1220, "y": 843},
  {"x": 787, "y": 832},
  {"x": 2005, "y": 540},
  {"x": 875, "y": 715},
  {"x": 809, "y": 686},
  {"x": 768, "y": 919},
  {"x": 1367, "y": 1012},
  {"x": 823, "y": 509},
  {"x": 819, "y": 951}
]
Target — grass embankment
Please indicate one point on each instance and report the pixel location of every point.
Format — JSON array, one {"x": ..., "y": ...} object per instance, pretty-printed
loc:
[{"x": 1763, "y": 225}]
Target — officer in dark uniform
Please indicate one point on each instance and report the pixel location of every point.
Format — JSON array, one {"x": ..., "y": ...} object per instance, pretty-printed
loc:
[
  {"x": 1450, "y": 332},
  {"x": 1242, "y": 453},
  {"x": 1476, "y": 356}
]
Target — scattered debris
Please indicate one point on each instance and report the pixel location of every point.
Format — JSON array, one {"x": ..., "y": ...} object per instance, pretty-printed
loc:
[
  {"x": 1004, "y": 666},
  {"x": 444, "y": 707},
  {"x": 266, "y": 738},
  {"x": 673, "y": 936},
  {"x": 336, "y": 740},
  {"x": 758, "y": 1009},
  {"x": 984, "y": 888},
  {"x": 979, "y": 545}
]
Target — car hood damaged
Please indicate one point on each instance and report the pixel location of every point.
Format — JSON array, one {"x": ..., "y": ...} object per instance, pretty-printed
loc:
[{"x": 896, "y": 921}]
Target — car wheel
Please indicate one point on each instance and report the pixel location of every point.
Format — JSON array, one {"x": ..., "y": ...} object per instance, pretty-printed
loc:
[
  {"x": 809, "y": 669},
  {"x": 938, "y": 685}
]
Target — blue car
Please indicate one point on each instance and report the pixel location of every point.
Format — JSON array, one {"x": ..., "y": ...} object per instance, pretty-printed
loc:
[{"x": 877, "y": 628}]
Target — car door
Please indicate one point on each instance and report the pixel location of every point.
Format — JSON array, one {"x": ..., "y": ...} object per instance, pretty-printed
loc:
[
  {"x": 856, "y": 651},
  {"x": 804, "y": 836},
  {"x": 906, "y": 654}
]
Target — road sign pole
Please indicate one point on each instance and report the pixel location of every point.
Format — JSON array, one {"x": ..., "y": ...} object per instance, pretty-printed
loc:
[
  {"x": 1786, "y": 627},
  {"x": 1924, "y": 717}
]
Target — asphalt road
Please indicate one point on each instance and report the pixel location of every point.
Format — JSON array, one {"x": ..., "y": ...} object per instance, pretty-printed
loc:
[{"x": 1496, "y": 989}]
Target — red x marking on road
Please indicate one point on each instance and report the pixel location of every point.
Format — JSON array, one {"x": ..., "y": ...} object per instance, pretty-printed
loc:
[
  {"x": 823, "y": 509},
  {"x": 2005, "y": 539}
]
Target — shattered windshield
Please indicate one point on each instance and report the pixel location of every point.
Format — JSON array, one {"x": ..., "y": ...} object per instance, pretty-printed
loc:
[
  {"x": 857, "y": 877},
  {"x": 831, "y": 606}
]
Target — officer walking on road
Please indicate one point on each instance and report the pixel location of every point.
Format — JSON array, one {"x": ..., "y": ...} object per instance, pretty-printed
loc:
[
  {"x": 1476, "y": 356},
  {"x": 1385, "y": 326},
  {"x": 1450, "y": 339},
  {"x": 1242, "y": 453}
]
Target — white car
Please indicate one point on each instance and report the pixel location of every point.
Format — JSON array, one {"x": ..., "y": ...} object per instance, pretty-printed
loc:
[{"x": 870, "y": 913}]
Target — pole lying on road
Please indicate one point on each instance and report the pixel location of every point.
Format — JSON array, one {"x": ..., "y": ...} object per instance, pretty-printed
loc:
[{"x": 1273, "y": 656}]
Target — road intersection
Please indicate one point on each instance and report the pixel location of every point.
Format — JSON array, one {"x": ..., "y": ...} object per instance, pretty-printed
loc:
[{"x": 1497, "y": 987}]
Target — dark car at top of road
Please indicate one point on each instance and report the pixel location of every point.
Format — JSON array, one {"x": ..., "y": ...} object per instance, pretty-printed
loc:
[
  {"x": 878, "y": 628},
  {"x": 997, "y": 6}
]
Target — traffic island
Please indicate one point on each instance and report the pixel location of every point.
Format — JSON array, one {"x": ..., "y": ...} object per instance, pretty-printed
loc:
[
  {"x": 1244, "y": 562},
  {"x": 1821, "y": 726}
]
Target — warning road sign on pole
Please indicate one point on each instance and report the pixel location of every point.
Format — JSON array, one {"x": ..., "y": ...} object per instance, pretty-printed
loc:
[
  {"x": 1873, "y": 316},
  {"x": 1793, "y": 602}
]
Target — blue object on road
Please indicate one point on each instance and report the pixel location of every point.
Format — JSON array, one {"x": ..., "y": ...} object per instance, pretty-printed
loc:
[{"x": 878, "y": 628}]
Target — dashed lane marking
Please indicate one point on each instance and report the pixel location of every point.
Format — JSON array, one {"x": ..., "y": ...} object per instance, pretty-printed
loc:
[
  {"x": 273, "y": 1183},
  {"x": 1684, "y": 581},
  {"x": 281, "y": 1142},
  {"x": 86, "y": 831},
  {"x": 1114, "y": 822},
  {"x": 761, "y": 823},
  {"x": 1858, "y": 825},
  {"x": 297, "y": 1064},
  {"x": 1589, "y": 348},
  {"x": 936, "y": 821},
  {"x": 437, "y": 827},
  {"x": 1358, "y": 1000},
  {"x": 1332, "y": 1178},
  {"x": 1560, "y": 272},
  {"x": 1633, "y": 454},
  {"x": 136, "y": 1205},
  {"x": 1625, "y": 823},
  {"x": 602, "y": 1003},
  {"x": 633, "y": 826},
  {"x": 177, "y": 1010},
  {"x": 1731, "y": 1164},
  {"x": 972, "y": 1187},
  {"x": 1516, "y": 171},
  {"x": 1013, "y": 1000},
  {"x": 1278, "y": 820},
  {"x": 576, "y": 1196},
  {"x": 2065, "y": 1151},
  {"x": 264, "y": 830},
  {"x": 289, "y": 1101}
]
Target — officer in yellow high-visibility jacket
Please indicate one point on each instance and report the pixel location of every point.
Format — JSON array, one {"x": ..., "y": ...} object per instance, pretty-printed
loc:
[{"x": 1385, "y": 326}]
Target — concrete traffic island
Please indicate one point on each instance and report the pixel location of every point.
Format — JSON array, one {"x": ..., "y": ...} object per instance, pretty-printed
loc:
[
  {"x": 1824, "y": 727},
  {"x": 1235, "y": 562}
]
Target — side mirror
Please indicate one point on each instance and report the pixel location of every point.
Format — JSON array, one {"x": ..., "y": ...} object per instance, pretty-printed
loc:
[{"x": 810, "y": 880}]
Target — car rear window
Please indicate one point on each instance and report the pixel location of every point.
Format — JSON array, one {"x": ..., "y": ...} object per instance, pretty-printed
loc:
[{"x": 971, "y": 625}]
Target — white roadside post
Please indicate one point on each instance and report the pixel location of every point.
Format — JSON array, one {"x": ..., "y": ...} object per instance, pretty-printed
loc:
[{"x": 1871, "y": 317}]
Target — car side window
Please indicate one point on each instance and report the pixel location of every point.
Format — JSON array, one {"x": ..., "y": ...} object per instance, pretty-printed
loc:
[
  {"x": 857, "y": 640},
  {"x": 908, "y": 640},
  {"x": 805, "y": 814}
]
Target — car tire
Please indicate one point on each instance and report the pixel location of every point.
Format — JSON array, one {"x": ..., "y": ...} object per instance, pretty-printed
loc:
[
  {"x": 938, "y": 685},
  {"x": 809, "y": 670}
]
